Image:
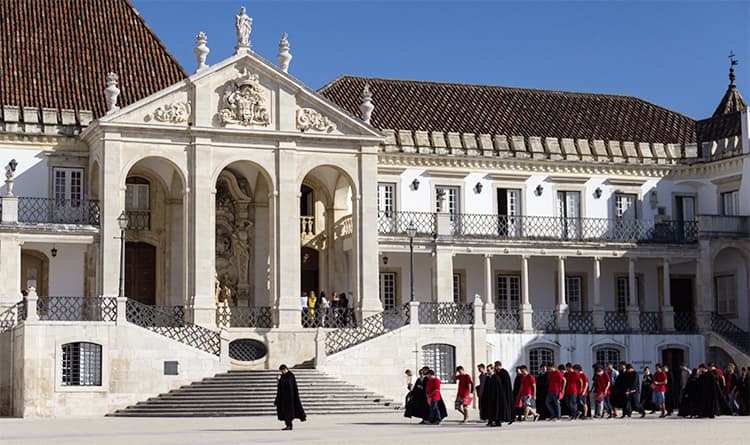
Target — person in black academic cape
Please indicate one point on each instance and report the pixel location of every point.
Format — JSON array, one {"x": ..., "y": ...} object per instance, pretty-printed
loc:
[
  {"x": 541, "y": 393},
  {"x": 743, "y": 391},
  {"x": 416, "y": 401},
  {"x": 669, "y": 403},
  {"x": 690, "y": 397},
  {"x": 500, "y": 401},
  {"x": 288, "y": 404}
]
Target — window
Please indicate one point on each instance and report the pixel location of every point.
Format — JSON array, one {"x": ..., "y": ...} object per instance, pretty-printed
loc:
[
  {"x": 685, "y": 210},
  {"x": 451, "y": 199},
  {"x": 306, "y": 202},
  {"x": 458, "y": 294},
  {"x": 81, "y": 364},
  {"x": 607, "y": 355},
  {"x": 573, "y": 293},
  {"x": 68, "y": 187},
  {"x": 730, "y": 203},
  {"x": 622, "y": 292},
  {"x": 441, "y": 358},
  {"x": 508, "y": 292},
  {"x": 508, "y": 208},
  {"x": 540, "y": 356},
  {"x": 625, "y": 208},
  {"x": 386, "y": 199},
  {"x": 569, "y": 212},
  {"x": 137, "y": 193},
  {"x": 388, "y": 289},
  {"x": 726, "y": 297}
]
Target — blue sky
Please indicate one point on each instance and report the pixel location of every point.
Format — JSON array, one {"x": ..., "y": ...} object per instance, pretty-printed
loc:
[{"x": 673, "y": 53}]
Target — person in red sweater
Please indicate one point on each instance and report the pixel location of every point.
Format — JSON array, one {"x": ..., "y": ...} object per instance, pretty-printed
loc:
[
  {"x": 465, "y": 390},
  {"x": 583, "y": 399},
  {"x": 433, "y": 397},
  {"x": 527, "y": 393},
  {"x": 555, "y": 387},
  {"x": 659, "y": 388},
  {"x": 602, "y": 387},
  {"x": 572, "y": 390}
]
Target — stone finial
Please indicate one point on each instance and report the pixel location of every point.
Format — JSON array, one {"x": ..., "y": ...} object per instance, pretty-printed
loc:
[
  {"x": 284, "y": 56},
  {"x": 244, "y": 26},
  {"x": 201, "y": 50},
  {"x": 111, "y": 93},
  {"x": 10, "y": 169},
  {"x": 366, "y": 106}
]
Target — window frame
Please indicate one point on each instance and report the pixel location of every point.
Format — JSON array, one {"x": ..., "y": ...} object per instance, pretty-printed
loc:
[
  {"x": 461, "y": 288},
  {"x": 396, "y": 287},
  {"x": 608, "y": 348},
  {"x": 444, "y": 371},
  {"x": 534, "y": 367},
  {"x": 638, "y": 289},
  {"x": 89, "y": 357},
  {"x": 734, "y": 196},
  {"x": 727, "y": 312},
  {"x": 133, "y": 187},
  {"x": 498, "y": 301}
]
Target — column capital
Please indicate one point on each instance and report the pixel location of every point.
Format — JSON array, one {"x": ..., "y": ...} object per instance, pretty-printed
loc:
[
  {"x": 488, "y": 256},
  {"x": 597, "y": 258},
  {"x": 525, "y": 257},
  {"x": 666, "y": 260}
]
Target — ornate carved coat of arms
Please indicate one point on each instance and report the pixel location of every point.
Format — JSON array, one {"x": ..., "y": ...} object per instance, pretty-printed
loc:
[{"x": 244, "y": 102}]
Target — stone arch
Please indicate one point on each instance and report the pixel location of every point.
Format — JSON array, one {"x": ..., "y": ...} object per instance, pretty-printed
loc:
[
  {"x": 146, "y": 161},
  {"x": 237, "y": 160},
  {"x": 539, "y": 343}
]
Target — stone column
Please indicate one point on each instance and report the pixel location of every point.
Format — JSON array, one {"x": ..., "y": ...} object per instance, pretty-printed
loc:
[
  {"x": 443, "y": 275},
  {"x": 526, "y": 313},
  {"x": 488, "y": 297},
  {"x": 414, "y": 313},
  {"x": 287, "y": 246},
  {"x": 10, "y": 269},
  {"x": 562, "y": 305},
  {"x": 112, "y": 204},
  {"x": 366, "y": 227},
  {"x": 478, "y": 311},
  {"x": 667, "y": 311},
  {"x": 31, "y": 305},
  {"x": 634, "y": 315},
  {"x": 704, "y": 275},
  {"x": 598, "y": 310}
]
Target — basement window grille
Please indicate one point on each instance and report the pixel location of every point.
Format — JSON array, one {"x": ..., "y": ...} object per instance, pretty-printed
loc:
[{"x": 81, "y": 364}]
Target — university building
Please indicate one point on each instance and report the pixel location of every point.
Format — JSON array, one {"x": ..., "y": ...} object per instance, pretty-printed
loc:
[{"x": 160, "y": 224}]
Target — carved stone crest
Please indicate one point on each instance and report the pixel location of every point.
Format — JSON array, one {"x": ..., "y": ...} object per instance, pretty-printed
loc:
[
  {"x": 176, "y": 113},
  {"x": 244, "y": 102},
  {"x": 309, "y": 119}
]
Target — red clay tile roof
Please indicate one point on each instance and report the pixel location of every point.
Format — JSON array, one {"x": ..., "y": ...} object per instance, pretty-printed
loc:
[
  {"x": 719, "y": 127},
  {"x": 56, "y": 54},
  {"x": 463, "y": 108}
]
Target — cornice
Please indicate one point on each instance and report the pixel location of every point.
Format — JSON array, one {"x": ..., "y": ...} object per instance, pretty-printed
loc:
[
  {"x": 39, "y": 139},
  {"x": 709, "y": 169}
]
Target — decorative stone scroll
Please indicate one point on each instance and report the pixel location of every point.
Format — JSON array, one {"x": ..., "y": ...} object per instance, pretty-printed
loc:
[
  {"x": 175, "y": 113},
  {"x": 244, "y": 102},
  {"x": 309, "y": 119}
]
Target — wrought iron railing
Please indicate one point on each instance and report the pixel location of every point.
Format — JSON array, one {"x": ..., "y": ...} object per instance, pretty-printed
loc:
[
  {"x": 446, "y": 313},
  {"x": 76, "y": 308},
  {"x": 724, "y": 226},
  {"x": 544, "y": 320},
  {"x": 60, "y": 211},
  {"x": 162, "y": 323},
  {"x": 507, "y": 320},
  {"x": 371, "y": 327},
  {"x": 22, "y": 309},
  {"x": 581, "y": 321},
  {"x": 616, "y": 321},
  {"x": 396, "y": 223},
  {"x": 731, "y": 332},
  {"x": 244, "y": 317},
  {"x": 332, "y": 317},
  {"x": 650, "y": 322},
  {"x": 685, "y": 322},
  {"x": 12, "y": 315},
  {"x": 139, "y": 219}
]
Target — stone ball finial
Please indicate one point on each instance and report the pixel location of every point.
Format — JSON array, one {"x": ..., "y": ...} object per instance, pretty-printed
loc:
[
  {"x": 111, "y": 92},
  {"x": 366, "y": 106},
  {"x": 201, "y": 51},
  {"x": 284, "y": 56}
]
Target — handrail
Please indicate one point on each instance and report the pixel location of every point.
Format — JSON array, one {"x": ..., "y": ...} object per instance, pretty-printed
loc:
[
  {"x": 60, "y": 211},
  {"x": 371, "y": 327}
]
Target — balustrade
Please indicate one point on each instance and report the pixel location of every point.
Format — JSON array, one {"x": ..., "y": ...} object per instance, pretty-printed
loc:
[
  {"x": 446, "y": 313},
  {"x": 60, "y": 211},
  {"x": 245, "y": 317},
  {"x": 396, "y": 223},
  {"x": 544, "y": 320},
  {"x": 724, "y": 226},
  {"x": 616, "y": 321},
  {"x": 581, "y": 321},
  {"x": 685, "y": 322},
  {"x": 650, "y": 322},
  {"x": 139, "y": 219},
  {"x": 307, "y": 226},
  {"x": 507, "y": 320},
  {"x": 76, "y": 308},
  {"x": 371, "y": 327}
]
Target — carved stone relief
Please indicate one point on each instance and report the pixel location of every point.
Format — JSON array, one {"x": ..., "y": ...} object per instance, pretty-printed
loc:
[
  {"x": 244, "y": 102},
  {"x": 309, "y": 119},
  {"x": 175, "y": 113}
]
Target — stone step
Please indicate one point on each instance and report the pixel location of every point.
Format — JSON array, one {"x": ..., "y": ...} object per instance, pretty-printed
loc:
[
  {"x": 256, "y": 404},
  {"x": 169, "y": 413},
  {"x": 266, "y": 396}
]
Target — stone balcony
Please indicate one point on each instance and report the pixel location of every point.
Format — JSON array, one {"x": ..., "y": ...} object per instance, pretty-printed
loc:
[
  {"x": 41, "y": 211},
  {"x": 718, "y": 226}
]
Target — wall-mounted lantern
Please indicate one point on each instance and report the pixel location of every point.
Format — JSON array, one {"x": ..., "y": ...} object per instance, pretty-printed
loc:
[
  {"x": 478, "y": 187},
  {"x": 598, "y": 193},
  {"x": 415, "y": 184},
  {"x": 538, "y": 190}
]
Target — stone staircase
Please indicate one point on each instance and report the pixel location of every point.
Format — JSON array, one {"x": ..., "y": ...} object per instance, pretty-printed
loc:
[{"x": 251, "y": 393}]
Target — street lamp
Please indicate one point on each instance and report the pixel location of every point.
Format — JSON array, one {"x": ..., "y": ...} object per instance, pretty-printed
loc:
[
  {"x": 411, "y": 232},
  {"x": 122, "y": 221}
]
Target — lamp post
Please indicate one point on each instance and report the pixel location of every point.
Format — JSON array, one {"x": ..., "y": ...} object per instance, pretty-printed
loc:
[
  {"x": 122, "y": 221},
  {"x": 411, "y": 232}
]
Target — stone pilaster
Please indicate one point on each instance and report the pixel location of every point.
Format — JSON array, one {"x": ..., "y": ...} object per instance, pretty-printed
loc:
[
  {"x": 667, "y": 311},
  {"x": 366, "y": 229},
  {"x": 414, "y": 313},
  {"x": 10, "y": 210},
  {"x": 287, "y": 246},
  {"x": 112, "y": 204},
  {"x": 526, "y": 312},
  {"x": 10, "y": 269},
  {"x": 562, "y": 306},
  {"x": 634, "y": 313},
  {"x": 598, "y": 310},
  {"x": 443, "y": 275}
]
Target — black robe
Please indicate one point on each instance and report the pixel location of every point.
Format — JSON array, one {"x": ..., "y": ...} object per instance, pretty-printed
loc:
[
  {"x": 542, "y": 385},
  {"x": 416, "y": 401},
  {"x": 743, "y": 389},
  {"x": 288, "y": 404},
  {"x": 617, "y": 397},
  {"x": 647, "y": 392},
  {"x": 690, "y": 398},
  {"x": 669, "y": 401},
  {"x": 498, "y": 398}
]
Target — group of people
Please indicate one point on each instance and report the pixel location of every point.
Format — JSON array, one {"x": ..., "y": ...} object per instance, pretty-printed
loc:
[
  {"x": 567, "y": 390},
  {"x": 318, "y": 311}
]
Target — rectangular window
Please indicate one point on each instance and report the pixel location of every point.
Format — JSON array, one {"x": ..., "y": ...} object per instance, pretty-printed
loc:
[
  {"x": 625, "y": 208},
  {"x": 81, "y": 364},
  {"x": 726, "y": 294},
  {"x": 386, "y": 199},
  {"x": 573, "y": 293},
  {"x": 730, "y": 203},
  {"x": 451, "y": 199},
  {"x": 685, "y": 210},
  {"x": 569, "y": 213},
  {"x": 509, "y": 211},
  {"x": 137, "y": 196},
  {"x": 68, "y": 187},
  {"x": 388, "y": 289},
  {"x": 508, "y": 292},
  {"x": 458, "y": 296},
  {"x": 622, "y": 292}
]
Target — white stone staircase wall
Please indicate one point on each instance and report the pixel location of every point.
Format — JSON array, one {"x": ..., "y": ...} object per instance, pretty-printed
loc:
[{"x": 715, "y": 340}]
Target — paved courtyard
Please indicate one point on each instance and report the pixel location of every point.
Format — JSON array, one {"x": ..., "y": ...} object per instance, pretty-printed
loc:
[{"x": 389, "y": 429}]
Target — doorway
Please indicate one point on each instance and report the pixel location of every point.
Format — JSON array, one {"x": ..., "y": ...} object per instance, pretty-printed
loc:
[
  {"x": 681, "y": 294},
  {"x": 309, "y": 270},
  {"x": 140, "y": 272},
  {"x": 34, "y": 271},
  {"x": 673, "y": 357}
]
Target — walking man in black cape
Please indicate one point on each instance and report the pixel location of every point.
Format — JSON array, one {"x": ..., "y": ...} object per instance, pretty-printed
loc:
[
  {"x": 288, "y": 404},
  {"x": 498, "y": 397}
]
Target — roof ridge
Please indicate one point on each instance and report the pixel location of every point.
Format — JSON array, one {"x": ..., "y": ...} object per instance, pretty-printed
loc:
[{"x": 523, "y": 89}]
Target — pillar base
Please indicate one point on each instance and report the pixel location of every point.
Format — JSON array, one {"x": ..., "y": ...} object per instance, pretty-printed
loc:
[
  {"x": 634, "y": 319},
  {"x": 667, "y": 319},
  {"x": 527, "y": 315},
  {"x": 205, "y": 316},
  {"x": 562, "y": 317},
  {"x": 414, "y": 313},
  {"x": 290, "y": 318},
  {"x": 598, "y": 318},
  {"x": 489, "y": 315},
  {"x": 703, "y": 320}
]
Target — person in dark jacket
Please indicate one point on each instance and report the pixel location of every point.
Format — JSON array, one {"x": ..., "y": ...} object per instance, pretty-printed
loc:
[
  {"x": 416, "y": 401},
  {"x": 690, "y": 397},
  {"x": 631, "y": 385},
  {"x": 499, "y": 397},
  {"x": 541, "y": 393},
  {"x": 288, "y": 405}
]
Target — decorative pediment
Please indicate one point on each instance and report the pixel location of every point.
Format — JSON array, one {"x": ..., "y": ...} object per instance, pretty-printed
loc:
[
  {"x": 309, "y": 119},
  {"x": 244, "y": 101},
  {"x": 176, "y": 112}
]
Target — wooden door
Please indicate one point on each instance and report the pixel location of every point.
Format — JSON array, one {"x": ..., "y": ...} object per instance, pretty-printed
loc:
[{"x": 140, "y": 272}]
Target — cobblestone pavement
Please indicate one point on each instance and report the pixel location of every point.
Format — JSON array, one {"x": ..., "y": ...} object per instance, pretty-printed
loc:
[{"x": 388, "y": 429}]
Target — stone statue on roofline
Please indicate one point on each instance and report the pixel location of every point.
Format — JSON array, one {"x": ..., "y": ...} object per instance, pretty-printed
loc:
[{"x": 244, "y": 26}]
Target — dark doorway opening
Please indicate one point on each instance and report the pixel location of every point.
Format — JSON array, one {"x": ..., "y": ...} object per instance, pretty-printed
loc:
[
  {"x": 681, "y": 294},
  {"x": 140, "y": 272},
  {"x": 673, "y": 357},
  {"x": 309, "y": 271}
]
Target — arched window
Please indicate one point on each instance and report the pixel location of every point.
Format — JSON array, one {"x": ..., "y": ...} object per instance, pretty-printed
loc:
[
  {"x": 607, "y": 355},
  {"x": 81, "y": 364},
  {"x": 441, "y": 358},
  {"x": 137, "y": 203},
  {"x": 538, "y": 356}
]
